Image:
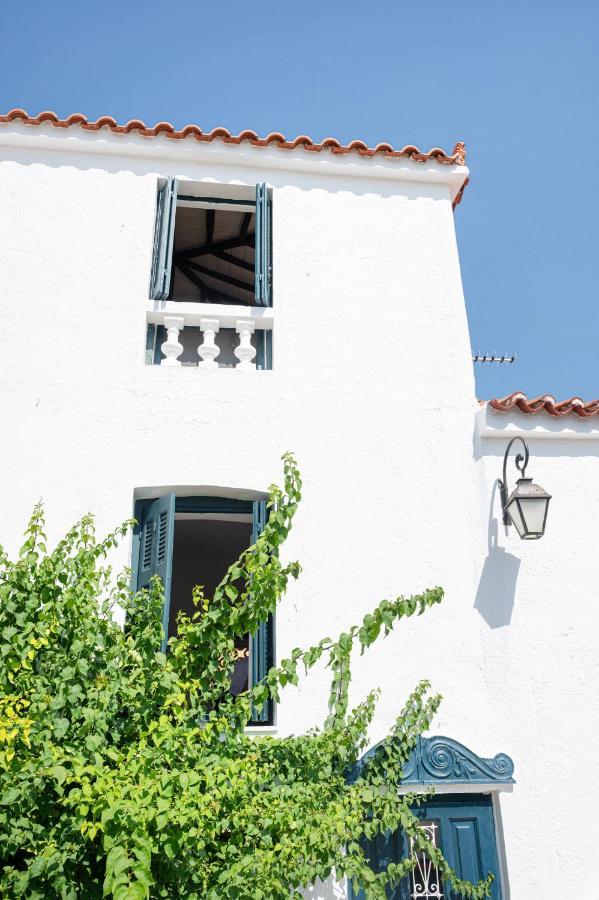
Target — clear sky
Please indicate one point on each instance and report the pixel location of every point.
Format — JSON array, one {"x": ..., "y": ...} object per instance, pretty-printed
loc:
[{"x": 517, "y": 81}]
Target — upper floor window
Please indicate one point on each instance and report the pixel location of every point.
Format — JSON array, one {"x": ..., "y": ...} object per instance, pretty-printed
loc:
[
  {"x": 212, "y": 244},
  {"x": 191, "y": 541},
  {"x": 211, "y": 279}
]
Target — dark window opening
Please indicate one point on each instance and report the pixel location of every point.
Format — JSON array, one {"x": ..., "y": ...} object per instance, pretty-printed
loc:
[
  {"x": 214, "y": 254},
  {"x": 204, "y": 547}
]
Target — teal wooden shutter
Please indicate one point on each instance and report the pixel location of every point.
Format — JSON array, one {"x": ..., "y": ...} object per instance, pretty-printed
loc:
[
  {"x": 164, "y": 238},
  {"x": 150, "y": 345},
  {"x": 156, "y": 537},
  {"x": 260, "y": 650},
  {"x": 263, "y": 239},
  {"x": 263, "y": 349}
]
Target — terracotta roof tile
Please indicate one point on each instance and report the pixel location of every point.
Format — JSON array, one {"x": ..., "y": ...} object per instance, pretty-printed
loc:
[
  {"x": 457, "y": 157},
  {"x": 547, "y": 404}
]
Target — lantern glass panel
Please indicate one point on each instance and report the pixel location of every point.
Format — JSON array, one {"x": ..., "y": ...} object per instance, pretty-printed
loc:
[
  {"x": 516, "y": 516},
  {"x": 533, "y": 511}
]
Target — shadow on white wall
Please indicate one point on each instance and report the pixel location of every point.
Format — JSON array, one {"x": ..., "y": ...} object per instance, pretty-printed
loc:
[{"x": 497, "y": 584}]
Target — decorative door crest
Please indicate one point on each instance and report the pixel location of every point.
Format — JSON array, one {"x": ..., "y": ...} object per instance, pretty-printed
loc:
[{"x": 441, "y": 760}]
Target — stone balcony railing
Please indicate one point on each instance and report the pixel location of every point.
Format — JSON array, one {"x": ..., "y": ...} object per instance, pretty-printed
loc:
[{"x": 208, "y": 324}]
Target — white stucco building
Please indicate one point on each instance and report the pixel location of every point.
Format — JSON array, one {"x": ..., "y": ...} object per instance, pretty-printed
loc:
[{"x": 321, "y": 284}]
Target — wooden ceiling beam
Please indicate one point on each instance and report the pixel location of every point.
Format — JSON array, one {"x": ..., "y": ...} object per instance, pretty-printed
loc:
[
  {"x": 245, "y": 224},
  {"x": 234, "y": 260},
  {"x": 220, "y": 276},
  {"x": 210, "y": 215},
  {"x": 206, "y": 249},
  {"x": 208, "y": 293}
]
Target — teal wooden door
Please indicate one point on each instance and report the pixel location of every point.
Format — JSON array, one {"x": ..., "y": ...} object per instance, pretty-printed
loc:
[{"x": 463, "y": 827}]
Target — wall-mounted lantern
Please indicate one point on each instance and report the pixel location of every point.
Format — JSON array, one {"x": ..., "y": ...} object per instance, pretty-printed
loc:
[{"x": 526, "y": 507}]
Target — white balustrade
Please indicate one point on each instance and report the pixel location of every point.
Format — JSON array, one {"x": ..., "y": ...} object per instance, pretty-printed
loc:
[
  {"x": 245, "y": 351},
  {"x": 208, "y": 351},
  {"x": 171, "y": 348},
  {"x": 211, "y": 319}
]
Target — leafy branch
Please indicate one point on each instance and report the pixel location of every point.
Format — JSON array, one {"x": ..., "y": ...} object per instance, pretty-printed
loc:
[{"x": 126, "y": 772}]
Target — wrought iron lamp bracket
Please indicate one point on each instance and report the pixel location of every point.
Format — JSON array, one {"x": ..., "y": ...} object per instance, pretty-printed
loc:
[{"x": 521, "y": 462}]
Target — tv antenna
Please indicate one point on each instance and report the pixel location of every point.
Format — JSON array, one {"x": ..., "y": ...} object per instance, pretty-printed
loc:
[{"x": 493, "y": 358}]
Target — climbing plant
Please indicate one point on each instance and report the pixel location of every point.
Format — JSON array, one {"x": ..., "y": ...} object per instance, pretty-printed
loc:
[{"x": 126, "y": 772}]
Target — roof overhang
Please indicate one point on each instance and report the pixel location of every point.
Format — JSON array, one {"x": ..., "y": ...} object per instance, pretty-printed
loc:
[
  {"x": 378, "y": 164},
  {"x": 514, "y": 423}
]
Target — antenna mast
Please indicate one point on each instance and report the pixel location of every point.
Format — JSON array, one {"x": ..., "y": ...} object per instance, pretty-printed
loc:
[{"x": 493, "y": 358}]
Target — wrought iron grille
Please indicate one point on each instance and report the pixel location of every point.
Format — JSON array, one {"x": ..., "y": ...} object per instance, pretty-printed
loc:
[{"x": 425, "y": 882}]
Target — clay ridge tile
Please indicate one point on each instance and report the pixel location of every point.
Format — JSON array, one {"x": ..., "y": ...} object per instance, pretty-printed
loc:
[
  {"x": 457, "y": 157},
  {"x": 547, "y": 404}
]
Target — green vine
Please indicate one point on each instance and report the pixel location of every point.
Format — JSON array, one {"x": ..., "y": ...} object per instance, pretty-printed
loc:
[{"x": 127, "y": 773}]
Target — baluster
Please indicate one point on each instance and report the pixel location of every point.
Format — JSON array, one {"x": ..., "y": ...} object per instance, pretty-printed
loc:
[
  {"x": 171, "y": 347},
  {"x": 208, "y": 351},
  {"x": 244, "y": 351}
]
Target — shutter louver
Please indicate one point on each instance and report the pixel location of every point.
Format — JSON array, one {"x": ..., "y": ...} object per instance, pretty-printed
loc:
[
  {"x": 164, "y": 236},
  {"x": 156, "y": 537},
  {"x": 148, "y": 546},
  {"x": 162, "y": 535}
]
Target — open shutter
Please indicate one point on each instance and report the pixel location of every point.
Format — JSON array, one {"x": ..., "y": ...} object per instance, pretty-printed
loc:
[
  {"x": 156, "y": 535},
  {"x": 263, "y": 246},
  {"x": 260, "y": 640},
  {"x": 164, "y": 236}
]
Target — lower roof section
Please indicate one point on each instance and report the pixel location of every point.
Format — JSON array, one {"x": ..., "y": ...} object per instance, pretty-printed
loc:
[
  {"x": 546, "y": 404},
  {"x": 541, "y": 417}
]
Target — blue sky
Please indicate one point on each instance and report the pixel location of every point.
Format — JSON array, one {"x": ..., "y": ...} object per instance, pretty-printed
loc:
[{"x": 517, "y": 81}]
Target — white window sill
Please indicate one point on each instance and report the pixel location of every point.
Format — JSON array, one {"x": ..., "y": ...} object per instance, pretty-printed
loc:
[
  {"x": 257, "y": 730},
  {"x": 227, "y": 315}
]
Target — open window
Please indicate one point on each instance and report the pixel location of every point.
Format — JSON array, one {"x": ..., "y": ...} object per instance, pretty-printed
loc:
[
  {"x": 212, "y": 244},
  {"x": 193, "y": 540}
]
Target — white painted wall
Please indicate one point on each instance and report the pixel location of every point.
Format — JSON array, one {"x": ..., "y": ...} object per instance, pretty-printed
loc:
[{"x": 373, "y": 390}]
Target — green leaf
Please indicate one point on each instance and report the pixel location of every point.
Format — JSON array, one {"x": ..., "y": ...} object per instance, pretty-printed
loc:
[
  {"x": 9, "y": 797},
  {"x": 127, "y": 772}
]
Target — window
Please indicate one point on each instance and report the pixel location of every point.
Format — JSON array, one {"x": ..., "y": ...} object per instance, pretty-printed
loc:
[
  {"x": 193, "y": 540},
  {"x": 210, "y": 248},
  {"x": 211, "y": 278},
  {"x": 463, "y": 827}
]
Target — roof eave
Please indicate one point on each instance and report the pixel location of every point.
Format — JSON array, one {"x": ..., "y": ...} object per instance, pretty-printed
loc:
[
  {"x": 513, "y": 422},
  {"x": 76, "y": 134}
]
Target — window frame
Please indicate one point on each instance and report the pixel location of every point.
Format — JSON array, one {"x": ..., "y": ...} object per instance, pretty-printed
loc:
[
  {"x": 169, "y": 192},
  {"x": 262, "y": 642}
]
